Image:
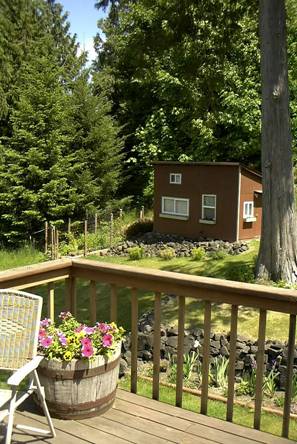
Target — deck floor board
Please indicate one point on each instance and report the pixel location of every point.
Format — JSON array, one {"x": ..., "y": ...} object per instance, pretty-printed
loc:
[{"x": 138, "y": 420}]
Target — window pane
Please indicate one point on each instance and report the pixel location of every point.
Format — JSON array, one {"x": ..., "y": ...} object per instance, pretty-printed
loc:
[
  {"x": 168, "y": 205},
  {"x": 209, "y": 213},
  {"x": 178, "y": 178},
  {"x": 209, "y": 201},
  {"x": 181, "y": 207}
]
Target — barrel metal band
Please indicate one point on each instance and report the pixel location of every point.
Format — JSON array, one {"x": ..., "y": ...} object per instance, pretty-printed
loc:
[
  {"x": 60, "y": 407},
  {"x": 78, "y": 374}
]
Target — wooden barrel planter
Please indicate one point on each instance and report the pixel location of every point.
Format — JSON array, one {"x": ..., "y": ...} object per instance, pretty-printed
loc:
[{"x": 80, "y": 389}]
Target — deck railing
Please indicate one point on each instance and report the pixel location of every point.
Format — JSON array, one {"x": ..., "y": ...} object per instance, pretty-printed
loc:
[{"x": 184, "y": 286}]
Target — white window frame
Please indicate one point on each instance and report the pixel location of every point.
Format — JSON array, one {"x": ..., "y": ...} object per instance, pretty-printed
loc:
[
  {"x": 209, "y": 206},
  {"x": 174, "y": 213},
  {"x": 175, "y": 178},
  {"x": 247, "y": 214}
]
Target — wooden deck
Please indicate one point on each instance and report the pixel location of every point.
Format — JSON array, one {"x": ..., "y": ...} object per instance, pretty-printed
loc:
[{"x": 135, "y": 419}]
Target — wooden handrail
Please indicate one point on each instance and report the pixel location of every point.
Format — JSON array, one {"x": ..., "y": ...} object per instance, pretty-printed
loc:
[{"x": 204, "y": 288}]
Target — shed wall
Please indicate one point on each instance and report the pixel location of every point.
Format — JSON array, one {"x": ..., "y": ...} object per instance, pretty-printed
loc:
[
  {"x": 249, "y": 184},
  {"x": 197, "y": 180}
]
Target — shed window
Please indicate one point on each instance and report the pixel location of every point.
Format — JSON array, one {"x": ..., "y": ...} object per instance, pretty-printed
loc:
[
  {"x": 175, "y": 178},
  {"x": 248, "y": 209},
  {"x": 175, "y": 206},
  {"x": 209, "y": 203}
]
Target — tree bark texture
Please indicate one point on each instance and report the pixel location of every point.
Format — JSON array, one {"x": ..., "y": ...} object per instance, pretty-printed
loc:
[{"x": 277, "y": 255}]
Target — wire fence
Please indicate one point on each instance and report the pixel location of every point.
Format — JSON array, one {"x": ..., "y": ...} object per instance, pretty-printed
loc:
[{"x": 95, "y": 232}]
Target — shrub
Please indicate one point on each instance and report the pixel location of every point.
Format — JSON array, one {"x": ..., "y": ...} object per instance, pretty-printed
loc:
[
  {"x": 135, "y": 253},
  {"x": 217, "y": 255},
  {"x": 198, "y": 253},
  {"x": 139, "y": 227},
  {"x": 167, "y": 253},
  {"x": 242, "y": 273},
  {"x": 219, "y": 372}
]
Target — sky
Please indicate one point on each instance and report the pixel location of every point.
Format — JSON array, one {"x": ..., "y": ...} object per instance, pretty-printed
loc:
[{"x": 83, "y": 21}]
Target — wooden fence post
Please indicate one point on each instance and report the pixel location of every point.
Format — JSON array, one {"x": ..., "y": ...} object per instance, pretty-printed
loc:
[
  {"x": 52, "y": 242},
  {"x": 142, "y": 212},
  {"x": 85, "y": 237},
  {"x": 111, "y": 229},
  {"x": 45, "y": 236},
  {"x": 96, "y": 223},
  {"x": 69, "y": 226},
  {"x": 57, "y": 244}
]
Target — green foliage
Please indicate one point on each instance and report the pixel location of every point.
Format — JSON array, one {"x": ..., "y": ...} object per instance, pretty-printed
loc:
[
  {"x": 198, "y": 253},
  {"x": 135, "y": 253},
  {"x": 219, "y": 372},
  {"x": 191, "y": 361},
  {"x": 217, "y": 255},
  {"x": 241, "y": 272},
  {"x": 247, "y": 385},
  {"x": 270, "y": 383},
  {"x": 139, "y": 227},
  {"x": 167, "y": 253},
  {"x": 59, "y": 146}
]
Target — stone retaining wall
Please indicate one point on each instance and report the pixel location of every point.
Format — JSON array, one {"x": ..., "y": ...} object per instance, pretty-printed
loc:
[
  {"x": 152, "y": 243},
  {"x": 276, "y": 352}
]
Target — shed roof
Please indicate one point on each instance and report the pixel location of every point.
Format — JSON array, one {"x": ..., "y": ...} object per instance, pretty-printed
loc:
[{"x": 238, "y": 164}]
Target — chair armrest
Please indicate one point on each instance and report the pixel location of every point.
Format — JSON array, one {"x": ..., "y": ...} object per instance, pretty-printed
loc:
[{"x": 22, "y": 372}]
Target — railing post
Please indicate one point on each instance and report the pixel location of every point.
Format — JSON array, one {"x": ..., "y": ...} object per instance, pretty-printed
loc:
[
  {"x": 180, "y": 352},
  {"x": 134, "y": 339},
  {"x": 260, "y": 369},
  {"x": 232, "y": 359},
  {"x": 113, "y": 303},
  {"x": 93, "y": 304},
  {"x": 85, "y": 237},
  {"x": 157, "y": 344},
  {"x": 289, "y": 376},
  {"x": 51, "y": 301},
  {"x": 205, "y": 363},
  {"x": 70, "y": 303}
]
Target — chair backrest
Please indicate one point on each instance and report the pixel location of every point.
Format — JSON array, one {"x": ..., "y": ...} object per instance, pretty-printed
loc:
[{"x": 20, "y": 314}]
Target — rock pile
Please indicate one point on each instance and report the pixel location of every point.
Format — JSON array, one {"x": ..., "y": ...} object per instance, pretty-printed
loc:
[
  {"x": 152, "y": 243},
  {"x": 276, "y": 352}
]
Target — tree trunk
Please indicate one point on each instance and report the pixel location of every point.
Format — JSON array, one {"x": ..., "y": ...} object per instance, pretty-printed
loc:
[{"x": 277, "y": 255}]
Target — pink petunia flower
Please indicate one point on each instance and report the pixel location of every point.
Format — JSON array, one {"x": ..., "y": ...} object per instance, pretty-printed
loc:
[
  {"x": 104, "y": 328},
  {"x": 87, "y": 351},
  {"x": 89, "y": 330},
  {"x": 46, "y": 342},
  {"x": 62, "y": 339},
  {"x": 45, "y": 322},
  {"x": 107, "y": 340},
  {"x": 86, "y": 342},
  {"x": 65, "y": 315},
  {"x": 79, "y": 329},
  {"x": 42, "y": 333}
]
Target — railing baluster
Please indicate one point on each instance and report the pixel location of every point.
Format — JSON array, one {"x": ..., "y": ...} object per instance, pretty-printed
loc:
[
  {"x": 180, "y": 352},
  {"x": 205, "y": 363},
  {"x": 134, "y": 339},
  {"x": 113, "y": 303},
  {"x": 232, "y": 359},
  {"x": 157, "y": 345},
  {"x": 260, "y": 369},
  {"x": 93, "y": 305},
  {"x": 70, "y": 303},
  {"x": 51, "y": 300},
  {"x": 289, "y": 376}
]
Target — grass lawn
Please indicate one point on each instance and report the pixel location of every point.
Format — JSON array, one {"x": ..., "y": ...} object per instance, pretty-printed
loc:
[
  {"x": 244, "y": 416},
  {"x": 17, "y": 258},
  {"x": 231, "y": 267}
]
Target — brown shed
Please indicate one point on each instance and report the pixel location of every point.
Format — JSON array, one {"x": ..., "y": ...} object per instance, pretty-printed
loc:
[{"x": 218, "y": 200}]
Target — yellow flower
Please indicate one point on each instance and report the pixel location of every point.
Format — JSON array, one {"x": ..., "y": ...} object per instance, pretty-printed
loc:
[{"x": 68, "y": 356}]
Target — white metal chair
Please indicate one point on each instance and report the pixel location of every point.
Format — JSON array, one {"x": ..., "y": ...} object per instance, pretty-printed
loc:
[{"x": 19, "y": 326}]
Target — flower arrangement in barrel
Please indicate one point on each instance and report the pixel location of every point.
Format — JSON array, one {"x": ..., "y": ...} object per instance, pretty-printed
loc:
[{"x": 73, "y": 340}]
